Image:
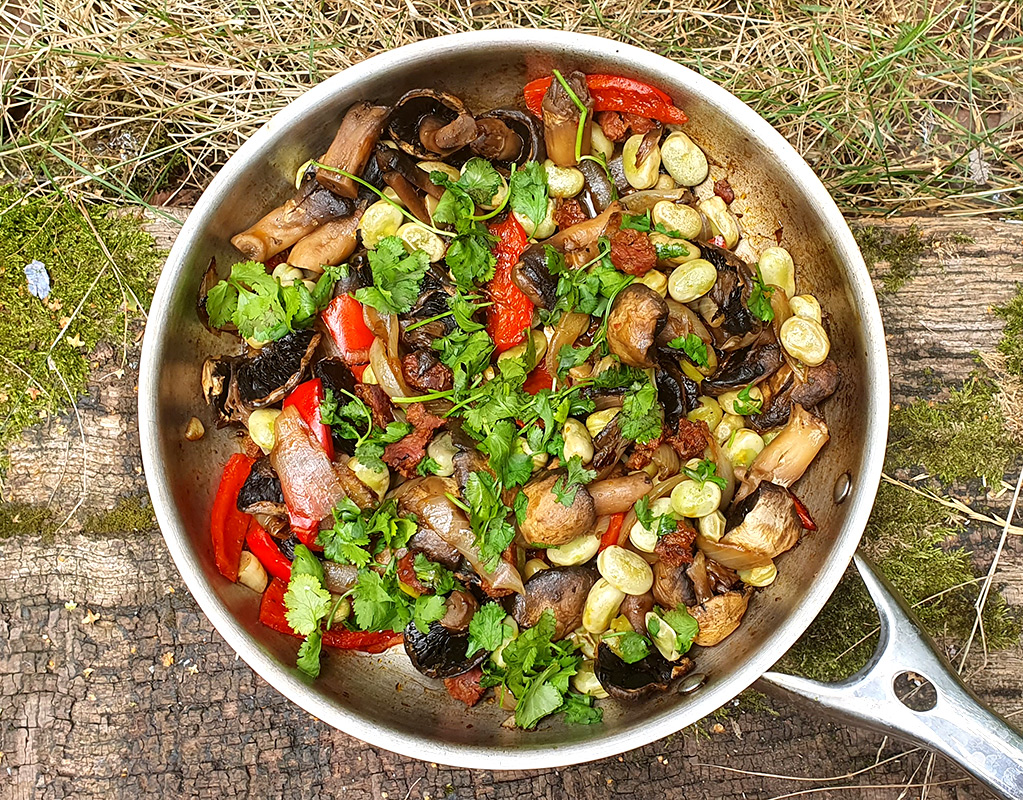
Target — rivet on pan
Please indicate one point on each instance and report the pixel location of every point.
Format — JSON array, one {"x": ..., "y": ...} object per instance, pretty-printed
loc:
[
  {"x": 842, "y": 487},
  {"x": 692, "y": 683}
]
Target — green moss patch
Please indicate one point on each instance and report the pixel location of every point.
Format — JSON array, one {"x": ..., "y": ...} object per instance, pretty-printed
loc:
[
  {"x": 901, "y": 251},
  {"x": 130, "y": 515},
  {"x": 911, "y": 538},
  {"x": 1011, "y": 344},
  {"x": 22, "y": 519},
  {"x": 43, "y": 370}
]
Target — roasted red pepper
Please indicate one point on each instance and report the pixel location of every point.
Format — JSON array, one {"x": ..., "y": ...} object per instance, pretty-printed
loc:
[
  {"x": 512, "y": 312},
  {"x": 538, "y": 379},
  {"x": 613, "y": 534},
  {"x": 265, "y": 549},
  {"x": 227, "y": 524},
  {"x": 272, "y": 614},
  {"x": 615, "y": 93},
  {"x": 804, "y": 514},
  {"x": 344, "y": 322},
  {"x": 307, "y": 398}
]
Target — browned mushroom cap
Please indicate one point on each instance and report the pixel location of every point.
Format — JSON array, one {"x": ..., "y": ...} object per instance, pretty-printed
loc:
[
  {"x": 769, "y": 522},
  {"x": 635, "y": 607},
  {"x": 548, "y": 521},
  {"x": 719, "y": 617},
  {"x": 461, "y": 606},
  {"x": 427, "y": 123},
  {"x": 672, "y": 586},
  {"x": 637, "y": 316},
  {"x": 534, "y": 279},
  {"x": 627, "y": 681},
  {"x": 561, "y": 120},
  {"x": 352, "y": 146},
  {"x": 563, "y": 591},
  {"x": 509, "y": 136},
  {"x": 785, "y": 388}
]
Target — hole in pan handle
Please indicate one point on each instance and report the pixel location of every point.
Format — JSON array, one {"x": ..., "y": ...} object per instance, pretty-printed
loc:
[{"x": 957, "y": 725}]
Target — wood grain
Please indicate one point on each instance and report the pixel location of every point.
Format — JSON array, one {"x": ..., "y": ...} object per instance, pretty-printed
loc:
[{"x": 113, "y": 685}]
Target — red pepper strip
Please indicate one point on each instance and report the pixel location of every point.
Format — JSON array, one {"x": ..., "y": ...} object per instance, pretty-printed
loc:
[
  {"x": 804, "y": 515},
  {"x": 272, "y": 614},
  {"x": 613, "y": 532},
  {"x": 346, "y": 325},
  {"x": 538, "y": 379},
  {"x": 307, "y": 397},
  {"x": 306, "y": 530},
  {"x": 614, "y": 93},
  {"x": 512, "y": 312},
  {"x": 227, "y": 523},
  {"x": 358, "y": 370},
  {"x": 718, "y": 241},
  {"x": 265, "y": 549}
]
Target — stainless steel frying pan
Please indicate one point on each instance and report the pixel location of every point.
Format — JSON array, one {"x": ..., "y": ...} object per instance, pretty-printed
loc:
[{"x": 775, "y": 191}]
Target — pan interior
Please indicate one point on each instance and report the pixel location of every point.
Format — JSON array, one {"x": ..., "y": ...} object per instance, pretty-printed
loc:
[{"x": 382, "y": 699}]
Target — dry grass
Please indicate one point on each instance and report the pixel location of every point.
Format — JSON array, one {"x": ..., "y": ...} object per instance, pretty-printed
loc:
[{"x": 899, "y": 104}]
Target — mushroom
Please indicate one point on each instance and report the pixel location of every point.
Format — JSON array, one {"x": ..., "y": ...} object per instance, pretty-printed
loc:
[
  {"x": 329, "y": 244},
  {"x": 765, "y": 523},
  {"x": 426, "y": 540},
  {"x": 426, "y": 123},
  {"x": 509, "y": 136},
  {"x": 749, "y": 365},
  {"x": 440, "y": 653},
  {"x": 461, "y": 606},
  {"x": 339, "y": 578},
  {"x": 311, "y": 207},
  {"x": 636, "y": 317},
  {"x": 548, "y": 521},
  {"x": 635, "y": 608},
  {"x": 599, "y": 187},
  {"x": 261, "y": 493},
  {"x": 788, "y": 455},
  {"x": 609, "y": 445},
  {"x": 733, "y": 316},
  {"x": 561, "y": 120},
  {"x": 682, "y": 321},
  {"x": 423, "y": 370},
  {"x": 352, "y": 146},
  {"x": 562, "y": 590},
  {"x": 645, "y": 199},
  {"x": 786, "y": 388},
  {"x": 697, "y": 573},
  {"x": 390, "y": 161},
  {"x": 534, "y": 279},
  {"x": 236, "y": 386},
  {"x": 677, "y": 393},
  {"x": 719, "y": 616},
  {"x": 628, "y": 681},
  {"x": 618, "y": 495},
  {"x": 672, "y": 585}
]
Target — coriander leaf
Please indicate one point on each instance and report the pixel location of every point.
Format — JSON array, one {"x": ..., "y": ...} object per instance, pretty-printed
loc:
[
  {"x": 705, "y": 471},
  {"x": 486, "y": 629},
  {"x": 519, "y": 506},
  {"x": 305, "y": 563},
  {"x": 632, "y": 647},
  {"x": 470, "y": 255},
  {"x": 441, "y": 579},
  {"x": 643, "y": 512},
  {"x": 745, "y": 404},
  {"x": 428, "y": 608},
  {"x": 669, "y": 250},
  {"x": 427, "y": 466},
  {"x": 640, "y": 417},
  {"x": 309, "y": 654},
  {"x": 636, "y": 222},
  {"x": 466, "y": 354},
  {"x": 453, "y": 205},
  {"x": 566, "y": 487},
  {"x": 580, "y": 710},
  {"x": 693, "y": 346},
  {"x": 685, "y": 626},
  {"x": 480, "y": 181},
  {"x": 569, "y": 357},
  {"x": 488, "y": 517},
  {"x": 528, "y": 187},
  {"x": 306, "y": 603},
  {"x": 221, "y": 303},
  {"x": 397, "y": 277},
  {"x": 347, "y": 542},
  {"x": 463, "y": 311},
  {"x": 511, "y": 465},
  {"x": 379, "y": 604},
  {"x": 760, "y": 298},
  {"x": 539, "y": 700}
]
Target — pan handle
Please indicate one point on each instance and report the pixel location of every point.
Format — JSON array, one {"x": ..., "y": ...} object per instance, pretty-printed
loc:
[{"x": 959, "y": 725}]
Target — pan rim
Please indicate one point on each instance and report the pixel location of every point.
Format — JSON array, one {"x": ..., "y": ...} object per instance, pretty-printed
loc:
[{"x": 714, "y": 694}]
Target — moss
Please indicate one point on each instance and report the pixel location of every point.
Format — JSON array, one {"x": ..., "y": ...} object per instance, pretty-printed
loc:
[
  {"x": 956, "y": 440},
  {"x": 901, "y": 251},
  {"x": 911, "y": 538},
  {"x": 749, "y": 701},
  {"x": 130, "y": 515},
  {"x": 52, "y": 230},
  {"x": 1011, "y": 344},
  {"x": 22, "y": 519}
]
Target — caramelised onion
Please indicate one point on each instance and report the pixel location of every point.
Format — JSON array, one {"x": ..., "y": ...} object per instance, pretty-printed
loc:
[
  {"x": 569, "y": 328},
  {"x": 427, "y": 498},
  {"x": 788, "y": 455},
  {"x": 731, "y": 556},
  {"x": 583, "y": 234},
  {"x": 638, "y": 202},
  {"x": 390, "y": 378}
]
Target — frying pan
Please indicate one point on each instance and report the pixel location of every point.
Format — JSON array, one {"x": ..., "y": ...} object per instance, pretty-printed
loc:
[{"x": 778, "y": 196}]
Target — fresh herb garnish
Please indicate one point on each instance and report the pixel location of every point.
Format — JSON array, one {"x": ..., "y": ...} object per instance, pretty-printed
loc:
[
  {"x": 347, "y": 419},
  {"x": 427, "y": 466},
  {"x": 660, "y": 525},
  {"x": 306, "y": 604},
  {"x": 745, "y": 404},
  {"x": 380, "y": 604},
  {"x": 567, "y": 486},
  {"x": 693, "y": 346},
  {"x": 528, "y": 187},
  {"x": 488, "y": 516},
  {"x": 487, "y": 629},
  {"x": 640, "y": 417},
  {"x": 632, "y": 647},
  {"x": 397, "y": 277},
  {"x": 685, "y": 626},
  {"x": 437, "y": 576},
  {"x": 262, "y": 308},
  {"x": 467, "y": 354},
  {"x": 643, "y": 222},
  {"x": 705, "y": 472},
  {"x": 359, "y": 534},
  {"x": 760, "y": 298}
]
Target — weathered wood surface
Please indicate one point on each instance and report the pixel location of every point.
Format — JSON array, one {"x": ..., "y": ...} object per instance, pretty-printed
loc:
[{"x": 130, "y": 693}]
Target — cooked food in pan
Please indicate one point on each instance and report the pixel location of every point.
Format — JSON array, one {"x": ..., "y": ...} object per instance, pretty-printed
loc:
[{"x": 512, "y": 401}]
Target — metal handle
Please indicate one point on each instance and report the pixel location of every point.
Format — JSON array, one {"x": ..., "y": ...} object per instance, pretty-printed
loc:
[{"x": 959, "y": 725}]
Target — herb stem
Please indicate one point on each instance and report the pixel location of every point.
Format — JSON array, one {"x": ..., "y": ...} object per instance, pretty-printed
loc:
[{"x": 582, "y": 114}]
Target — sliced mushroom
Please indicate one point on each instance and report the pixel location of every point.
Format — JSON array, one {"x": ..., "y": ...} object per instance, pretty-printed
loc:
[
  {"x": 563, "y": 591},
  {"x": 329, "y": 244},
  {"x": 534, "y": 279},
  {"x": 635, "y": 608},
  {"x": 461, "y": 606},
  {"x": 744, "y": 367},
  {"x": 423, "y": 370},
  {"x": 719, "y": 617},
  {"x": 548, "y": 521},
  {"x": 261, "y": 493},
  {"x": 786, "y": 388},
  {"x": 600, "y": 190},
  {"x": 440, "y": 653},
  {"x": 425, "y": 540},
  {"x": 672, "y": 585},
  {"x": 609, "y": 444},
  {"x": 426, "y": 123},
  {"x": 732, "y": 315},
  {"x": 677, "y": 393},
  {"x": 629, "y": 681},
  {"x": 765, "y": 523},
  {"x": 352, "y": 146},
  {"x": 312, "y": 206},
  {"x": 788, "y": 455},
  {"x": 561, "y": 120},
  {"x": 390, "y": 160},
  {"x": 702, "y": 587},
  {"x": 508, "y": 136},
  {"x": 637, "y": 316},
  {"x": 618, "y": 495}
]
